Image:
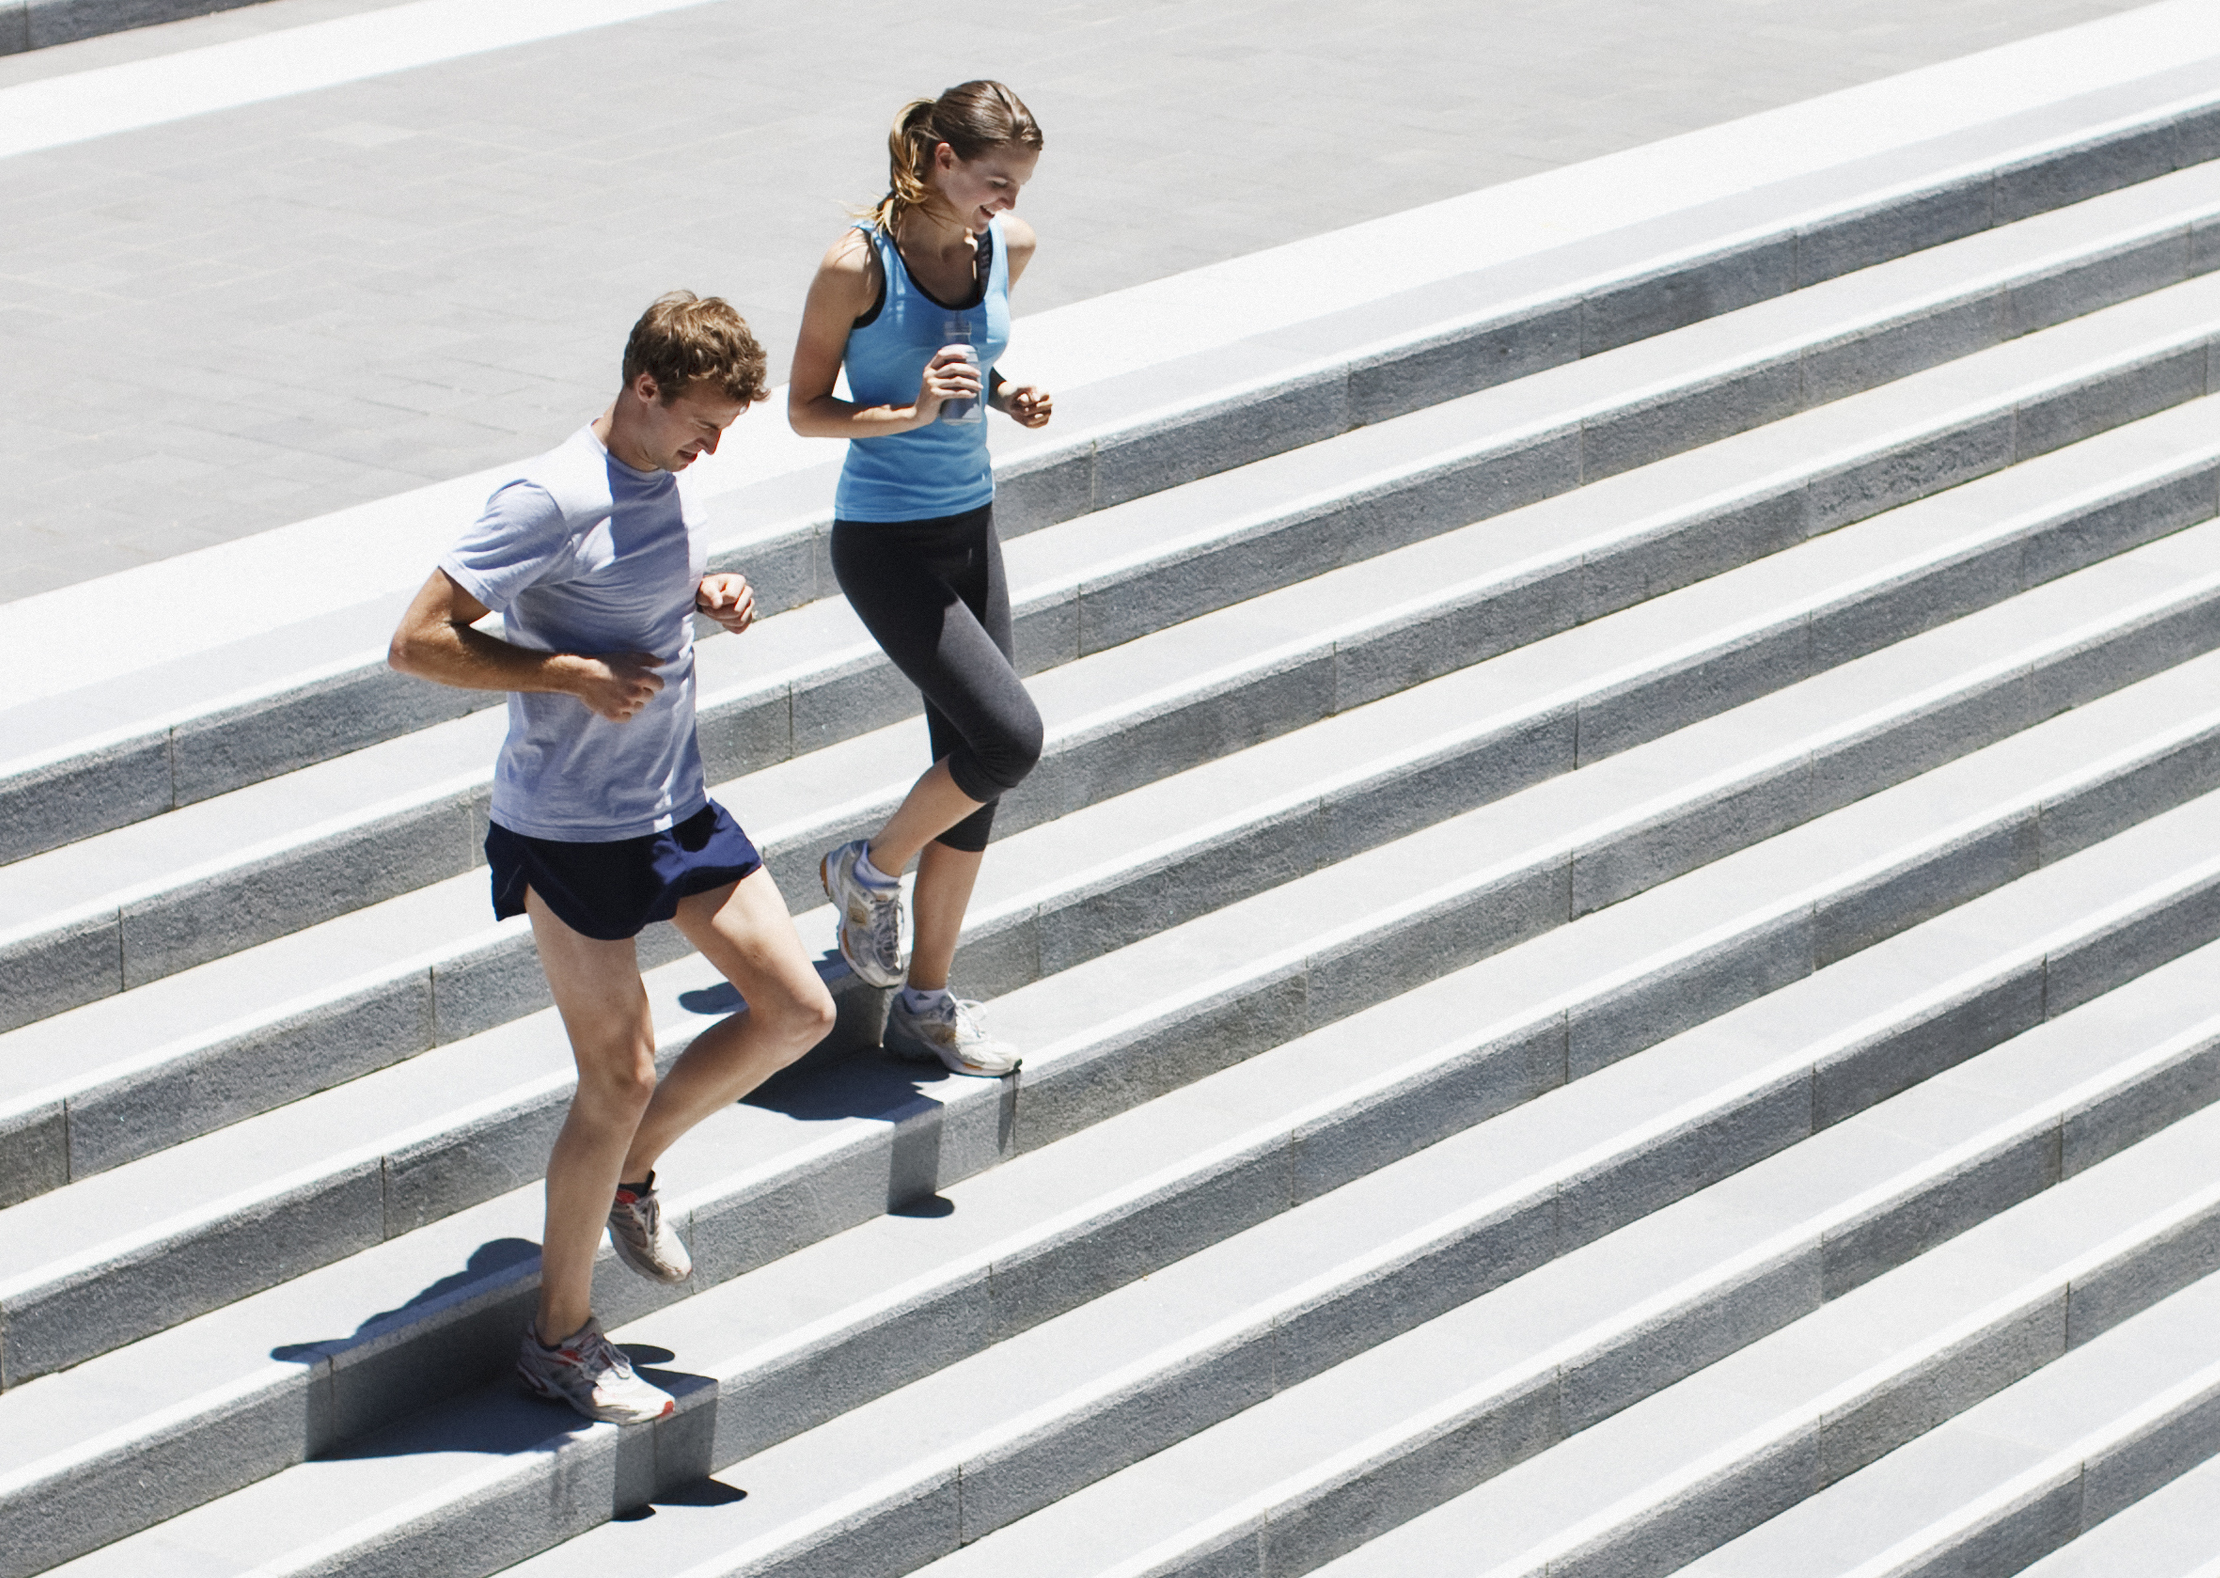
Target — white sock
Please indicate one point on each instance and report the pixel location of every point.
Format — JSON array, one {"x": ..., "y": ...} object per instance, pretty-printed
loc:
[
  {"x": 917, "y": 1002},
  {"x": 871, "y": 876}
]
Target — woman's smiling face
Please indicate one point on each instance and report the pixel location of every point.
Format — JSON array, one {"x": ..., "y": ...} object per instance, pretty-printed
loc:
[{"x": 978, "y": 189}]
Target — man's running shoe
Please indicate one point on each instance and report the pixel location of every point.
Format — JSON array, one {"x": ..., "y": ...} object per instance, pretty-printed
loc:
[
  {"x": 591, "y": 1373},
  {"x": 949, "y": 1030},
  {"x": 643, "y": 1240},
  {"x": 870, "y": 917}
]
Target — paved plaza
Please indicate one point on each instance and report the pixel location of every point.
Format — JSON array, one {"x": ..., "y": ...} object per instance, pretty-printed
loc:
[{"x": 243, "y": 319}]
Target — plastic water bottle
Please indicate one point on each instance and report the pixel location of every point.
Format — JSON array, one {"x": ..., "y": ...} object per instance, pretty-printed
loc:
[{"x": 956, "y": 336}]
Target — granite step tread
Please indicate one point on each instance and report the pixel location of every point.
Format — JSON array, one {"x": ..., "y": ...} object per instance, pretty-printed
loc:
[{"x": 246, "y": 1390}]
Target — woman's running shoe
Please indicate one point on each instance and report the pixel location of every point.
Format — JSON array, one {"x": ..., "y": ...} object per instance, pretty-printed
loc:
[
  {"x": 950, "y": 1030},
  {"x": 870, "y": 916},
  {"x": 591, "y": 1373}
]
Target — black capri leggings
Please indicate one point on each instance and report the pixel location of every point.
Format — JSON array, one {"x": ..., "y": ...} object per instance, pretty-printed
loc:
[{"x": 933, "y": 596}]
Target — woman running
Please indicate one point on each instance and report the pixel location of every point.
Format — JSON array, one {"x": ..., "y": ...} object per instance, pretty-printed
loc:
[{"x": 915, "y": 302}]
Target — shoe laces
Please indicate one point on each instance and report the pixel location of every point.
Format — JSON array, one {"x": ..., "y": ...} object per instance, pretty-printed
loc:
[
  {"x": 599, "y": 1359},
  {"x": 885, "y": 932},
  {"x": 645, "y": 1209}
]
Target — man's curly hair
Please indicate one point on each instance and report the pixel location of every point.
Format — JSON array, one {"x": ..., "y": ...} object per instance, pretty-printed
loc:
[{"x": 685, "y": 339}]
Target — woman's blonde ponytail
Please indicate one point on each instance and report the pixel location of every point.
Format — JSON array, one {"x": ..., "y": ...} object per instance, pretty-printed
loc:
[{"x": 910, "y": 145}]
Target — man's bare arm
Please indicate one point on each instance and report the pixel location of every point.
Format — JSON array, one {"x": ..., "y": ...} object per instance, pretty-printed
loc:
[{"x": 435, "y": 641}]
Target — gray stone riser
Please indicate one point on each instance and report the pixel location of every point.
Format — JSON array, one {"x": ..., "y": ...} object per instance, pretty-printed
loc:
[
  {"x": 178, "y": 763},
  {"x": 1472, "y": 1255},
  {"x": 2089, "y": 1482},
  {"x": 1498, "y": 1443},
  {"x": 2138, "y": 1493},
  {"x": 84, "y": 956},
  {"x": 41, "y": 24},
  {"x": 1736, "y": 1498}
]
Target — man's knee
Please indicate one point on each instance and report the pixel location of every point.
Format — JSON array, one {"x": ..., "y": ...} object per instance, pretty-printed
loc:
[
  {"x": 810, "y": 1016},
  {"x": 621, "y": 1081},
  {"x": 797, "y": 1019}
]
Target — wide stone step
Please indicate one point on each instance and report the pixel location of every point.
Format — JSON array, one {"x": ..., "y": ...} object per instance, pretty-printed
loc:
[
  {"x": 146, "y": 901},
  {"x": 1564, "y": 1006},
  {"x": 125, "y": 1076},
  {"x": 300, "y": 692}
]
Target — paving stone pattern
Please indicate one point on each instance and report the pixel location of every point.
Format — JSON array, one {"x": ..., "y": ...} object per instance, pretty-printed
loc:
[{"x": 235, "y": 322}]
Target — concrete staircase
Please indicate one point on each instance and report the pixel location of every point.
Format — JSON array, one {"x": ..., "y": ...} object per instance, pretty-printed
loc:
[{"x": 1617, "y": 939}]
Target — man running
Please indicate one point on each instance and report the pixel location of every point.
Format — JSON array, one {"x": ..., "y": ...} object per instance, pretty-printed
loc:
[{"x": 601, "y": 821}]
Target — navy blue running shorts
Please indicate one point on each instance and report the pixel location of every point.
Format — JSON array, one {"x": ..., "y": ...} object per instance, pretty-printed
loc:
[{"x": 611, "y": 890}]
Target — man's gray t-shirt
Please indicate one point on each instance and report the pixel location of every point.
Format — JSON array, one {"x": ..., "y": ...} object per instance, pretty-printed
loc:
[{"x": 581, "y": 553}]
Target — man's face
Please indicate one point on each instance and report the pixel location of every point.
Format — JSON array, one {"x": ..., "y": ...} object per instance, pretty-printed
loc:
[{"x": 676, "y": 434}]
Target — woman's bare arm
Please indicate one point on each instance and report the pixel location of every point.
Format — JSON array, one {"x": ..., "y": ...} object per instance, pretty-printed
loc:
[
  {"x": 1018, "y": 236},
  {"x": 847, "y": 283},
  {"x": 1028, "y": 405}
]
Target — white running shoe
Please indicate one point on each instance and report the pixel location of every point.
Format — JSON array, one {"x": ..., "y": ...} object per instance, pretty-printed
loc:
[
  {"x": 643, "y": 1240},
  {"x": 950, "y": 1031},
  {"x": 591, "y": 1373},
  {"x": 870, "y": 918}
]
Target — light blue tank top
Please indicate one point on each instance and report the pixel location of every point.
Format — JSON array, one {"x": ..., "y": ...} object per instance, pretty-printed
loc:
[{"x": 942, "y": 468}]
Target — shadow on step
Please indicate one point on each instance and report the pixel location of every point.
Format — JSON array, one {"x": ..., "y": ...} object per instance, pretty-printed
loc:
[
  {"x": 944, "y": 1126},
  {"x": 701, "y": 1493},
  {"x": 488, "y": 1261},
  {"x": 504, "y": 1421}
]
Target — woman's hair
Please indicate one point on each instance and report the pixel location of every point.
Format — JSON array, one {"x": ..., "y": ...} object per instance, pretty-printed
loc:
[
  {"x": 972, "y": 118},
  {"x": 684, "y": 339}
]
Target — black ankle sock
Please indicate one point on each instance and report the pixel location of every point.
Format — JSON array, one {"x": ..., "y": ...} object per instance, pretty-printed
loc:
[{"x": 639, "y": 1190}]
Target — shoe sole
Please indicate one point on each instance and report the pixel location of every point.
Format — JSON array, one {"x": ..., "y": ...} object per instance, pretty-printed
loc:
[
  {"x": 539, "y": 1388},
  {"x": 921, "y": 1052}
]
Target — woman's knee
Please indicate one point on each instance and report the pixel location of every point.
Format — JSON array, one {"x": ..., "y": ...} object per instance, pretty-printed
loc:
[{"x": 1014, "y": 749}]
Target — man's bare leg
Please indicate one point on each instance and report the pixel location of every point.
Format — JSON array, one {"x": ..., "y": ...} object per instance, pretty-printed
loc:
[
  {"x": 745, "y": 931},
  {"x": 621, "y": 1119},
  {"x": 612, "y": 1037}
]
